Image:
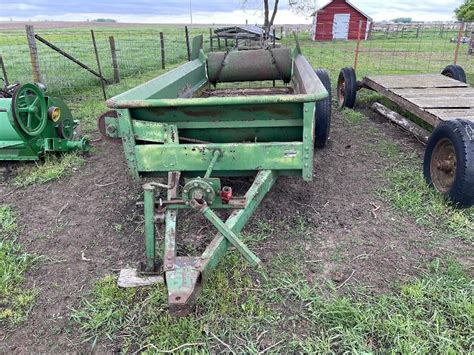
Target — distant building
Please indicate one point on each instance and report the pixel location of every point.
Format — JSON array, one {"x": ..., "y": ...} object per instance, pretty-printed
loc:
[
  {"x": 340, "y": 20},
  {"x": 243, "y": 32}
]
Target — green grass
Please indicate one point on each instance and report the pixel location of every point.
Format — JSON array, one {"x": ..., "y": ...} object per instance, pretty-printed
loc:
[
  {"x": 228, "y": 309},
  {"x": 52, "y": 168},
  {"x": 15, "y": 300},
  {"x": 408, "y": 192},
  {"x": 352, "y": 116},
  {"x": 138, "y": 51},
  {"x": 432, "y": 314},
  {"x": 249, "y": 313},
  {"x": 429, "y": 53}
]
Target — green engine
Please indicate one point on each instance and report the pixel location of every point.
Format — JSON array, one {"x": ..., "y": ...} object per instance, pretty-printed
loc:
[{"x": 32, "y": 124}]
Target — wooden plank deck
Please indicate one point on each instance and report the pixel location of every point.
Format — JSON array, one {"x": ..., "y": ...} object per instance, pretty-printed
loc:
[{"x": 432, "y": 97}]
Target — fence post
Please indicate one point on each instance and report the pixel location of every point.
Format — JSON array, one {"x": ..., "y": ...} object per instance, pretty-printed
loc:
[
  {"x": 356, "y": 59},
  {"x": 210, "y": 39},
  {"x": 4, "y": 71},
  {"x": 371, "y": 30},
  {"x": 162, "y": 46},
  {"x": 281, "y": 32},
  {"x": 102, "y": 84},
  {"x": 471, "y": 44},
  {"x": 187, "y": 42},
  {"x": 35, "y": 64},
  {"x": 458, "y": 44},
  {"x": 113, "y": 53},
  {"x": 274, "y": 39}
]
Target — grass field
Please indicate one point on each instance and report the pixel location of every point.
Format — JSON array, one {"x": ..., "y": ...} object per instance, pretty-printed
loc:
[
  {"x": 138, "y": 51},
  {"x": 282, "y": 308}
]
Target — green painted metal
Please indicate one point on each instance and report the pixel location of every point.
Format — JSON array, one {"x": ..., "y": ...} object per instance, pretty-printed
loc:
[
  {"x": 154, "y": 131},
  {"x": 215, "y": 251},
  {"x": 235, "y": 156},
  {"x": 29, "y": 107},
  {"x": 227, "y": 233},
  {"x": 216, "y": 155},
  {"x": 174, "y": 124},
  {"x": 128, "y": 140},
  {"x": 308, "y": 141},
  {"x": 32, "y": 125},
  {"x": 185, "y": 276},
  {"x": 201, "y": 190},
  {"x": 149, "y": 215}
]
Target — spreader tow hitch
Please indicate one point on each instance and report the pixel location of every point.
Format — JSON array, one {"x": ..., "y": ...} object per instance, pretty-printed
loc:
[{"x": 183, "y": 275}]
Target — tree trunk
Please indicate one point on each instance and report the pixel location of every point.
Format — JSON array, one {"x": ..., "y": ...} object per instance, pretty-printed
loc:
[
  {"x": 266, "y": 13},
  {"x": 270, "y": 24}
]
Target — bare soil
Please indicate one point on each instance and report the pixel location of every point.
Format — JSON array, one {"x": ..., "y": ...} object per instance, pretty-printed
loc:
[{"x": 88, "y": 225}]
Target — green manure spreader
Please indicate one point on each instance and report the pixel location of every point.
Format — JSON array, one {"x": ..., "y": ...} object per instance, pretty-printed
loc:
[
  {"x": 32, "y": 124},
  {"x": 184, "y": 126}
]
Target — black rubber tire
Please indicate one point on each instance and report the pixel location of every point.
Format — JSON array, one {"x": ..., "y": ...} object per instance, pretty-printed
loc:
[
  {"x": 322, "y": 115},
  {"x": 456, "y": 72},
  {"x": 461, "y": 135},
  {"x": 346, "y": 97}
]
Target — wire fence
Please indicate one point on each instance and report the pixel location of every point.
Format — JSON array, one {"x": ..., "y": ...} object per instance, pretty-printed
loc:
[
  {"x": 121, "y": 53},
  {"x": 128, "y": 52},
  {"x": 389, "y": 48}
]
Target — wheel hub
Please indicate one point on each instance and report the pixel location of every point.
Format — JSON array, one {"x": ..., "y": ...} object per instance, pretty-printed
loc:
[
  {"x": 443, "y": 165},
  {"x": 341, "y": 92},
  {"x": 200, "y": 190}
]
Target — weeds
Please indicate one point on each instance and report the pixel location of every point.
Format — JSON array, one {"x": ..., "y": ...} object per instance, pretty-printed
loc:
[
  {"x": 53, "y": 168},
  {"x": 353, "y": 117},
  {"x": 432, "y": 314},
  {"x": 407, "y": 190},
  {"x": 15, "y": 301},
  {"x": 227, "y": 310}
]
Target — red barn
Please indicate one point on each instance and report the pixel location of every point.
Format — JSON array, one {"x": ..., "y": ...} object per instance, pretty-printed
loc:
[{"x": 339, "y": 19}]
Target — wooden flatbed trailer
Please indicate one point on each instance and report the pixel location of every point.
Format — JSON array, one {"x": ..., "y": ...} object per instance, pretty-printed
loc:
[{"x": 446, "y": 102}]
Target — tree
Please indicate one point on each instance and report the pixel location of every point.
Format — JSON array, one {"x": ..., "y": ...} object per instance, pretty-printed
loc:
[
  {"x": 299, "y": 6},
  {"x": 465, "y": 12},
  {"x": 402, "y": 20}
]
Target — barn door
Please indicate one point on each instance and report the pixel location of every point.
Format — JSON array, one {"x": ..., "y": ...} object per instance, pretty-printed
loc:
[{"x": 340, "y": 26}]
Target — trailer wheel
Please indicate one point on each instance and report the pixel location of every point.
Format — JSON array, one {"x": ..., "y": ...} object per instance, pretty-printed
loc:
[
  {"x": 455, "y": 72},
  {"x": 347, "y": 88},
  {"x": 449, "y": 161},
  {"x": 323, "y": 112}
]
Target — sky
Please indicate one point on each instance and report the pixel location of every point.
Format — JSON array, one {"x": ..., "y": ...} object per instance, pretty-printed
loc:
[{"x": 209, "y": 11}]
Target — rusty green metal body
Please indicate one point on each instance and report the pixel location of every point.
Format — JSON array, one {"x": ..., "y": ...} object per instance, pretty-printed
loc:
[
  {"x": 177, "y": 125},
  {"x": 32, "y": 124}
]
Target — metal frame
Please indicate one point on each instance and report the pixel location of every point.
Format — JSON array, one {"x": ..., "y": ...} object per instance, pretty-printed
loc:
[{"x": 158, "y": 119}]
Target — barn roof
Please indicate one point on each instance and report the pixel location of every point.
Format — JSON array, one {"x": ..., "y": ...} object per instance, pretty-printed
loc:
[
  {"x": 257, "y": 31},
  {"x": 348, "y": 3}
]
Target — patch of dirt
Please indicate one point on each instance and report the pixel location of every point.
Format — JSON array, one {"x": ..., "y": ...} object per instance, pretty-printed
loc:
[
  {"x": 88, "y": 226},
  {"x": 85, "y": 226}
]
